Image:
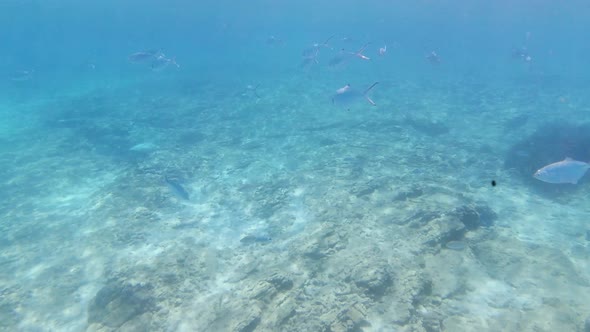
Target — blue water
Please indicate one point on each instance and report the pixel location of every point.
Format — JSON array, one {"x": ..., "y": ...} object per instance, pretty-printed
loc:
[{"x": 284, "y": 211}]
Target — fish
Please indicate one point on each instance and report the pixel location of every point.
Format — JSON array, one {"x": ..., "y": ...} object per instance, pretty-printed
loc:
[
  {"x": 274, "y": 41},
  {"x": 310, "y": 59},
  {"x": 144, "y": 147},
  {"x": 251, "y": 89},
  {"x": 22, "y": 75},
  {"x": 251, "y": 239},
  {"x": 455, "y": 245},
  {"x": 346, "y": 96},
  {"x": 359, "y": 54},
  {"x": 433, "y": 58},
  {"x": 565, "y": 171},
  {"x": 177, "y": 189},
  {"x": 313, "y": 49},
  {"x": 308, "y": 62},
  {"x": 339, "y": 59},
  {"x": 160, "y": 62},
  {"x": 143, "y": 56}
]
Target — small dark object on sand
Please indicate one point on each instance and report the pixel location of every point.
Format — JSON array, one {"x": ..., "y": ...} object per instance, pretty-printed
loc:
[{"x": 493, "y": 183}]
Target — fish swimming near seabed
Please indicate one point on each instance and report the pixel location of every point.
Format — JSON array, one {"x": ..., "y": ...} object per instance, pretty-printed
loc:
[
  {"x": 143, "y": 147},
  {"x": 177, "y": 189},
  {"x": 251, "y": 239},
  {"x": 565, "y": 171},
  {"x": 346, "y": 96}
]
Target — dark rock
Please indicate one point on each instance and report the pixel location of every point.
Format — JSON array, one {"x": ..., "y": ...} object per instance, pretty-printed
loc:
[
  {"x": 516, "y": 122},
  {"x": 374, "y": 281},
  {"x": 116, "y": 303},
  {"x": 367, "y": 188},
  {"x": 432, "y": 324},
  {"x": 280, "y": 282},
  {"x": 475, "y": 216},
  {"x": 251, "y": 326},
  {"x": 420, "y": 218},
  {"x": 455, "y": 245},
  {"x": 327, "y": 142},
  {"x": 352, "y": 319},
  {"x": 428, "y": 126},
  {"x": 190, "y": 137},
  {"x": 487, "y": 216},
  {"x": 551, "y": 301},
  {"x": 324, "y": 245},
  {"x": 413, "y": 192},
  {"x": 249, "y": 322}
]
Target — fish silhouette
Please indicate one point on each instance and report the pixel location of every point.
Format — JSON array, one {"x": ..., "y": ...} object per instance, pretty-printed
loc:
[{"x": 347, "y": 96}]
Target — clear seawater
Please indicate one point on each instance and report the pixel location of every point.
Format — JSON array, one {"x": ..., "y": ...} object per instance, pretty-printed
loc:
[{"x": 233, "y": 192}]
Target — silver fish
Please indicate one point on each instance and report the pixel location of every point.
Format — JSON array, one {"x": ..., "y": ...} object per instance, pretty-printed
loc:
[
  {"x": 143, "y": 56},
  {"x": 22, "y": 75},
  {"x": 313, "y": 49},
  {"x": 347, "y": 96},
  {"x": 160, "y": 62},
  {"x": 565, "y": 171}
]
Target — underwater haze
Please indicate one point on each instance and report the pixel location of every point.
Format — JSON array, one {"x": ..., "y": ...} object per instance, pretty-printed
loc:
[{"x": 304, "y": 165}]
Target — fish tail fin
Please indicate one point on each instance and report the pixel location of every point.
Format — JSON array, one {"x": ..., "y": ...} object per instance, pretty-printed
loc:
[
  {"x": 325, "y": 44},
  {"x": 367, "y": 91},
  {"x": 362, "y": 49},
  {"x": 369, "y": 88}
]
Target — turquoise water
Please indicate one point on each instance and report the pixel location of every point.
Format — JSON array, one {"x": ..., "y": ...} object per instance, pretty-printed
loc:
[{"x": 228, "y": 182}]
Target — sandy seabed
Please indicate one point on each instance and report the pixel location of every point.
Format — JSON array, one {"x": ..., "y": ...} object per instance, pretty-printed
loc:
[{"x": 301, "y": 216}]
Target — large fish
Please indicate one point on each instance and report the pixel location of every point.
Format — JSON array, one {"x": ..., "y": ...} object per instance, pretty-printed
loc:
[
  {"x": 565, "y": 171},
  {"x": 347, "y": 96}
]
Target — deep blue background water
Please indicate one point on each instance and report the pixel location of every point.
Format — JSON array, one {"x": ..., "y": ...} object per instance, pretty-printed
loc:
[{"x": 227, "y": 39}]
